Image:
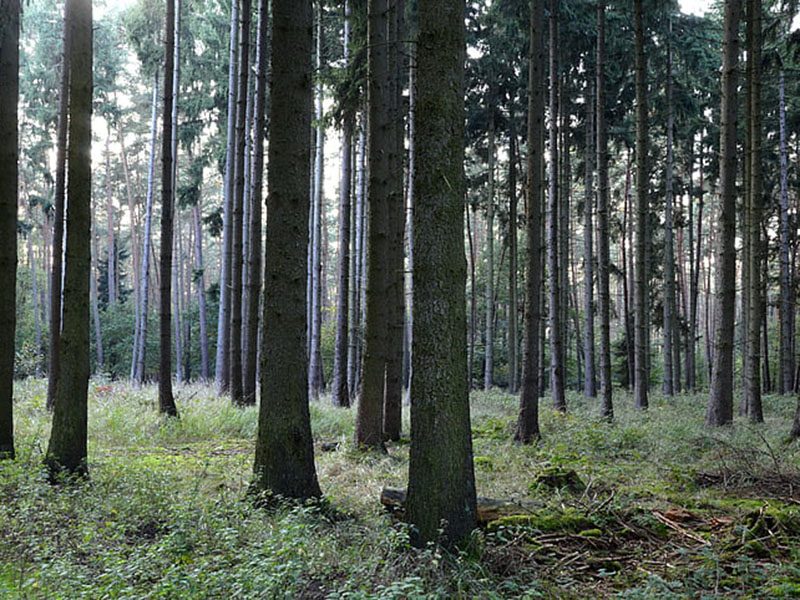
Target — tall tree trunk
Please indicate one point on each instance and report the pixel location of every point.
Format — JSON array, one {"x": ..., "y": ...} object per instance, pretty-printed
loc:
[
  {"x": 441, "y": 502},
  {"x": 140, "y": 337},
  {"x": 111, "y": 262},
  {"x": 222, "y": 363},
  {"x": 488, "y": 366},
  {"x": 166, "y": 402},
  {"x": 603, "y": 237},
  {"x": 695, "y": 285},
  {"x": 177, "y": 301},
  {"x": 527, "y": 429},
  {"x": 37, "y": 325},
  {"x": 66, "y": 450},
  {"x": 412, "y": 95},
  {"x": 369, "y": 422},
  {"x": 315, "y": 382},
  {"x": 177, "y": 245},
  {"x": 786, "y": 378},
  {"x": 640, "y": 251},
  {"x": 256, "y": 199},
  {"x": 720, "y": 401},
  {"x": 589, "y": 380},
  {"x": 57, "y": 270},
  {"x": 131, "y": 201},
  {"x": 93, "y": 300},
  {"x": 284, "y": 461},
  {"x": 9, "y": 190},
  {"x": 553, "y": 263},
  {"x": 513, "y": 344},
  {"x": 671, "y": 381},
  {"x": 753, "y": 365},
  {"x": 354, "y": 350}
]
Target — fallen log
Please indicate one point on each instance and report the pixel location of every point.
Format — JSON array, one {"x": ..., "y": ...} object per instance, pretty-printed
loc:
[{"x": 489, "y": 509}]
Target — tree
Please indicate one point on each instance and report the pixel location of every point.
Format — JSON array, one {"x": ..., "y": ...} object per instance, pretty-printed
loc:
[
  {"x": 67, "y": 448},
  {"x": 527, "y": 429},
  {"x": 441, "y": 481},
  {"x": 603, "y": 252},
  {"x": 589, "y": 380},
  {"x": 284, "y": 461},
  {"x": 640, "y": 271},
  {"x": 720, "y": 400},
  {"x": 671, "y": 382},
  {"x": 166, "y": 401},
  {"x": 9, "y": 157},
  {"x": 488, "y": 370}
]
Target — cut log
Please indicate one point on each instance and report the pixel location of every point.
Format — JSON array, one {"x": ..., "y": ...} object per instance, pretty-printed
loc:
[{"x": 489, "y": 509}]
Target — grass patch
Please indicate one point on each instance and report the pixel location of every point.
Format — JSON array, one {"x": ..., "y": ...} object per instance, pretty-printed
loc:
[{"x": 666, "y": 508}]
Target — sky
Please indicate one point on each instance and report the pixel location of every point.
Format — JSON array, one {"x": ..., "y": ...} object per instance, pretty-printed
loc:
[{"x": 695, "y": 7}]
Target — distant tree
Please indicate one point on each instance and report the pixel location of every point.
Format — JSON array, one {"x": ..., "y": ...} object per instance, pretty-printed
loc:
[
  {"x": 720, "y": 400},
  {"x": 166, "y": 401},
  {"x": 67, "y": 448},
  {"x": 9, "y": 157},
  {"x": 284, "y": 461},
  {"x": 441, "y": 483}
]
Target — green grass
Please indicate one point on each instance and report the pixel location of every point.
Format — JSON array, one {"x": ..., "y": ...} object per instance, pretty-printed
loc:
[{"x": 164, "y": 514}]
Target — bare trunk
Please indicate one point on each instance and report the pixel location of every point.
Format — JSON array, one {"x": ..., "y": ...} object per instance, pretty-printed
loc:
[
  {"x": 200, "y": 282},
  {"x": 513, "y": 366},
  {"x": 488, "y": 367},
  {"x": 589, "y": 379},
  {"x": 671, "y": 380},
  {"x": 786, "y": 378}
]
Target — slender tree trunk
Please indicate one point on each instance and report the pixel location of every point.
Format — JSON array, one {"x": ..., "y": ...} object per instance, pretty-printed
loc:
[
  {"x": 441, "y": 482},
  {"x": 177, "y": 246},
  {"x": 553, "y": 263},
  {"x": 129, "y": 194},
  {"x": 166, "y": 402},
  {"x": 513, "y": 344},
  {"x": 93, "y": 300},
  {"x": 9, "y": 190},
  {"x": 589, "y": 379},
  {"x": 140, "y": 339},
  {"x": 720, "y": 401},
  {"x": 37, "y": 325},
  {"x": 473, "y": 300},
  {"x": 57, "y": 271},
  {"x": 200, "y": 282},
  {"x": 786, "y": 378},
  {"x": 488, "y": 367},
  {"x": 671, "y": 381},
  {"x": 66, "y": 450},
  {"x": 603, "y": 251},
  {"x": 527, "y": 429},
  {"x": 640, "y": 252},
  {"x": 354, "y": 354},
  {"x": 222, "y": 363},
  {"x": 410, "y": 228}
]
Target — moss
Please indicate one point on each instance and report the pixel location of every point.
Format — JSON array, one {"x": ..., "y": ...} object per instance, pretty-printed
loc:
[
  {"x": 591, "y": 532},
  {"x": 484, "y": 462},
  {"x": 559, "y": 478},
  {"x": 568, "y": 521}
]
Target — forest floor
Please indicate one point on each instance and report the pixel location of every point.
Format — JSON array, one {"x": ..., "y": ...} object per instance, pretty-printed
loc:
[{"x": 662, "y": 507}]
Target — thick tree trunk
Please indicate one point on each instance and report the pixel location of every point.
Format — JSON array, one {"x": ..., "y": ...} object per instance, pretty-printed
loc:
[
  {"x": 66, "y": 450},
  {"x": 527, "y": 429},
  {"x": 720, "y": 401},
  {"x": 9, "y": 189},
  {"x": 166, "y": 401},
  {"x": 284, "y": 461},
  {"x": 640, "y": 251},
  {"x": 441, "y": 502},
  {"x": 369, "y": 422}
]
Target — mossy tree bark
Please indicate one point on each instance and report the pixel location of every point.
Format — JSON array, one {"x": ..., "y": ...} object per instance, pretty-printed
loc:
[
  {"x": 527, "y": 429},
  {"x": 67, "y": 448},
  {"x": 284, "y": 461},
  {"x": 720, "y": 400},
  {"x": 9, "y": 168},
  {"x": 441, "y": 486}
]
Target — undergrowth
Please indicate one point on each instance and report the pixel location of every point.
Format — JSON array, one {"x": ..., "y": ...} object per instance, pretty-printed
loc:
[{"x": 658, "y": 506}]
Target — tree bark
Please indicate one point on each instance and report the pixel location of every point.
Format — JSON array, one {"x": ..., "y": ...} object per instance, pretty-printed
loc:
[
  {"x": 786, "y": 378},
  {"x": 441, "y": 487},
  {"x": 513, "y": 366},
  {"x": 284, "y": 461},
  {"x": 200, "y": 282},
  {"x": 671, "y": 382},
  {"x": 488, "y": 366},
  {"x": 66, "y": 450},
  {"x": 589, "y": 379},
  {"x": 720, "y": 401},
  {"x": 9, "y": 189}
]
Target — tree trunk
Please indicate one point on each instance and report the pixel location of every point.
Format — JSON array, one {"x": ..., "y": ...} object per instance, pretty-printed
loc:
[
  {"x": 222, "y": 363},
  {"x": 441, "y": 502},
  {"x": 640, "y": 250},
  {"x": 720, "y": 401},
  {"x": 369, "y": 422},
  {"x": 671, "y": 381},
  {"x": 553, "y": 263},
  {"x": 284, "y": 461},
  {"x": 200, "y": 282},
  {"x": 589, "y": 379},
  {"x": 93, "y": 300},
  {"x": 37, "y": 325},
  {"x": 527, "y": 429},
  {"x": 354, "y": 351},
  {"x": 488, "y": 366},
  {"x": 66, "y": 450},
  {"x": 140, "y": 337},
  {"x": 786, "y": 377},
  {"x": 9, "y": 189},
  {"x": 513, "y": 344},
  {"x": 166, "y": 402},
  {"x": 57, "y": 271},
  {"x": 131, "y": 200}
]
